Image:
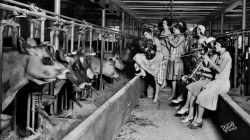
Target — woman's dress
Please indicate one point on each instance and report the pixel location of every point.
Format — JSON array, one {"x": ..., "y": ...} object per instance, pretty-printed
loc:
[
  {"x": 208, "y": 97},
  {"x": 175, "y": 68}
]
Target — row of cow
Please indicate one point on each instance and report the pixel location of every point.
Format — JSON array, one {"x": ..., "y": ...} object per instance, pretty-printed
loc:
[{"x": 42, "y": 64}]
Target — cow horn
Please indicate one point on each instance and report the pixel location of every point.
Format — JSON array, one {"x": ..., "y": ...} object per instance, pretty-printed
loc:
[
  {"x": 60, "y": 56},
  {"x": 22, "y": 45}
]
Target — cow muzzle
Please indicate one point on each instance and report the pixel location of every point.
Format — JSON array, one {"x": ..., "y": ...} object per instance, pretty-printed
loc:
[
  {"x": 63, "y": 74},
  {"x": 90, "y": 74}
]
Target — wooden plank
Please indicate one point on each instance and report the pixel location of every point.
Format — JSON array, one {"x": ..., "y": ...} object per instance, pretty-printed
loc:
[{"x": 106, "y": 122}]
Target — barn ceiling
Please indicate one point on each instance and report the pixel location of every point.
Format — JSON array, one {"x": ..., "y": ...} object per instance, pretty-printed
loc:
[
  {"x": 191, "y": 11},
  {"x": 149, "y": 11}
]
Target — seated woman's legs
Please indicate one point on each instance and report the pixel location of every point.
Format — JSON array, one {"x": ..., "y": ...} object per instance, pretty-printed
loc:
[
  {"x": 190, "y": 115},
  {"x": 185, "y": 108}
]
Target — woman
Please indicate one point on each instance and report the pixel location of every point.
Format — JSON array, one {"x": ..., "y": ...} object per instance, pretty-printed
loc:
[
  {"x": 166, "y": 25},
  {"x": 208, "y": 97},
  {"x": 195, "y": 87},
  {"x": 152, "y": 60},
  {"x": 175, "y": 66}
]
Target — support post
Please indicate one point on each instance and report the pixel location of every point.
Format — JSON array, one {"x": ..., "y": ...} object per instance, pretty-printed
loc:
[
  {"x": 221, "y": 23},
  {"x": 210, "y": 27},
  {"x": 123, "y": 21},
  {"x": 72, "y": 29},
  {"x": 102, "y": 51},
  {"x": 90, "y": 39},
  {"x": 243, "y": 43},
  {"x": 57, "y": 9},
  {"x": 1, "y": 66}
]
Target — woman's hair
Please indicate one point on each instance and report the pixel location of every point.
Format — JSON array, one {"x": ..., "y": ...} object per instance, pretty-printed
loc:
[
  {"x": 160, "y": 26},
  {"x": 184, "y": 26},
  {"x": 146, "y": 30},
  {"x": 178, "y": 26},
  {"x": 223, "y": 41},
  {"x": 169, "y": 22}
]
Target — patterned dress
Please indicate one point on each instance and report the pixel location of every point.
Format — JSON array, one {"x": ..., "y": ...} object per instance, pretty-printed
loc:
[
  {"x": 175, "y": 68},
  {"x": 208, "y": 97}
]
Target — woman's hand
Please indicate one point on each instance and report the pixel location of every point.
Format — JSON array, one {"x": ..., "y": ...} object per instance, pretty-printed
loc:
[{"x": 206, "y": 58}]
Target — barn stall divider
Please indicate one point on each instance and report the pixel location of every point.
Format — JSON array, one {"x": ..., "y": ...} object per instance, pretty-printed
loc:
[
  {"x": 106, "y": 122},
  {"x": 42, "y": 16}
]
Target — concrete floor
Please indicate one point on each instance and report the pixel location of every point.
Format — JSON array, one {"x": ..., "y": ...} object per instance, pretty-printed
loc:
[{"x": 148, "y": 122}]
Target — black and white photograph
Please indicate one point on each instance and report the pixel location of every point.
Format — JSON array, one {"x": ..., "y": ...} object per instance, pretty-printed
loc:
[{"x": 125, "y": 69}]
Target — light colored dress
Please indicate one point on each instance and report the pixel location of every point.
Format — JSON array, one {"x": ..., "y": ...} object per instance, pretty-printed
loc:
[
  {"x": 153, "y": 66},
  {"x": 175, "y": 68},
  {"x": 208, "y": 97}
]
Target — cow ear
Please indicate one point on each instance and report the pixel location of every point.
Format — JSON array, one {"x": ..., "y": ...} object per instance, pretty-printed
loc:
[
  {"x": 22, "y": 47},
  {"x": 111, "y": 61},
  {"x": 31, "y": 42}
]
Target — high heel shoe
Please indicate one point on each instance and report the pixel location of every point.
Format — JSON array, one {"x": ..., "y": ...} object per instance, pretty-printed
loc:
[
  {"x": 196, "y": 125},
  {"x": 186, "y": 119},
  {"x": 182, "y": 111},
  {"x": 155, "y": 100}
]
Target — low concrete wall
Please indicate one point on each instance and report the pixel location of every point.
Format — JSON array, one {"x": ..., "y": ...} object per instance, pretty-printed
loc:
[
  {"x": 106, "y": 122},
  {"x": 232, "y": 120}
]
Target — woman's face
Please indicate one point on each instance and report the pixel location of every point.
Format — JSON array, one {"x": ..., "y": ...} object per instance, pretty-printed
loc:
[
  {"x": 198, "y": 31},
  {"x": 176, "y": 31},
  {"x": 165, "y": 24},
  {"x": 218, "y": 47},
  {"x": 148, "y": 35}
]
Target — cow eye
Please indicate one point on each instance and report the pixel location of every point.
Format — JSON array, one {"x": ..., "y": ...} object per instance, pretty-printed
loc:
[
  {"x": 47, "y": 61},
  {"x": 75, "y": 67}
]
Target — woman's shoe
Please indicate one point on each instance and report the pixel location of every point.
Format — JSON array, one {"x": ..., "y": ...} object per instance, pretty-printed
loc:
[
  {"x": 182, "y": 111},
  {"x": 155, "y": 100},
  {"x": 196, "y": 125},
  {"x": 186, "y": 119},
  {"x": 178, "y": 100}
]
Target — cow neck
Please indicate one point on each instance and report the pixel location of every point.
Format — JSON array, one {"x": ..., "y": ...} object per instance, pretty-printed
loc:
[{"x": 18, "y": 80}]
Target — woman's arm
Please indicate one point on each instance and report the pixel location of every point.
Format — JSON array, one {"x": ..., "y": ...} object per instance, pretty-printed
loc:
[
  {"x": 172, "y": 43},
  {"x": 206, "y": 74},
  {"x": 218, "y": 68},
  {"x": 158, "y": 44}
]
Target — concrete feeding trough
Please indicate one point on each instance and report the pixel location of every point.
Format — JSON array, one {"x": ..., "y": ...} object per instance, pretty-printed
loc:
[
  {"x": 233, "y": 120},
  {"x": 106, "y": 122}
]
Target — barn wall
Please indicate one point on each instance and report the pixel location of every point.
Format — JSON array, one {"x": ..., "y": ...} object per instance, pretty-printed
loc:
[{"x": 106, "y": 122}]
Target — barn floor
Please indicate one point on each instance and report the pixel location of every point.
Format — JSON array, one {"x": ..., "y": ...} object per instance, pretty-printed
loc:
[{"x": 148, "y": 122}]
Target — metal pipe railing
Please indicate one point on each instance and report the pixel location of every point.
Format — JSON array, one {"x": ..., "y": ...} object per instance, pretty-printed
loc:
[{"x": 77, "y": 22}]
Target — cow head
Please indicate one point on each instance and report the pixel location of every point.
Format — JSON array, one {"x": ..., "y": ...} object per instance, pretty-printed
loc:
[
  {"x": 41, "y": 66},
  {"x": 80, "y": 71},
  {"x": 117, "y": 62}
]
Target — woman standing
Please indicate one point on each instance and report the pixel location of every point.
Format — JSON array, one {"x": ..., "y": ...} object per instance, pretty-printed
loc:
[
  {"x": 208, "y": 97},
  {"x": 166, "y": 25},
  {"x": 175, "y": 67},
  {"x": 152, "y": 59}
]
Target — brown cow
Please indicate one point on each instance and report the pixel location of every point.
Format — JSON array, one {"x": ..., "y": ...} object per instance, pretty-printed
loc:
[{"x": 31, "y": 63}]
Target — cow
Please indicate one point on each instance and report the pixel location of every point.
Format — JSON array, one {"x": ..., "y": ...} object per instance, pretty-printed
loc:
[
  {"x": 31, "y": 62},
  {"x": 79, "y": 75},
  {"x": 108, "y": 67}
]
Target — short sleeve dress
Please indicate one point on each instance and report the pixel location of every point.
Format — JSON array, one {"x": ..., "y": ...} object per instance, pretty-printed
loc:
[{"x": 208, "y": 97}]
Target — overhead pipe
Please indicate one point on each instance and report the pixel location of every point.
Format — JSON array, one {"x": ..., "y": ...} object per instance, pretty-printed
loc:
[{"x": 52, "y": 17}]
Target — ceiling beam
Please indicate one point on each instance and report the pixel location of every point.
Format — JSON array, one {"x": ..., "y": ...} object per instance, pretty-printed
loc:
[
  {"x": 164, "y": 6},
  {"x": 217, "y": 14},
  {"x": 232, "y": 6},
  {"x": 123, "y": 6},
  {"x": 174, "y": 2}
]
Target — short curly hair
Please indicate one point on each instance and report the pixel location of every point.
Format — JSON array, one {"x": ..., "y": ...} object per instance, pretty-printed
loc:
[
  {"x": 146, "y": 30},
  {"x": 224, "y": 41}
]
